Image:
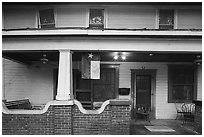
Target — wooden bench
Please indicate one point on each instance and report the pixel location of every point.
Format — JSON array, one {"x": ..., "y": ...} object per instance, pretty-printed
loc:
[{"x": 18, "y": 104}]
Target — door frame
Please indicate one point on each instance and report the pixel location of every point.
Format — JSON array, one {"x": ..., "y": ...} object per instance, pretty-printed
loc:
[{"x": 152, "y": 73}]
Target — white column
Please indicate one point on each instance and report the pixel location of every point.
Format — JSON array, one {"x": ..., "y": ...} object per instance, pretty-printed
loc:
[
  {"x": 199, "y": 82},
  {"x": 64, "y": 87}
]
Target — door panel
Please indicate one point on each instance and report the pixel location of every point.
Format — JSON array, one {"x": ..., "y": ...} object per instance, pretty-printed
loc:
[{"x": 143, "y": 90}]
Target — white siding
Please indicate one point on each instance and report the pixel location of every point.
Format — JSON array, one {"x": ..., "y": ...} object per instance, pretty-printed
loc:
[
  {"x": 33, "y": 82},
  {"x": 134, "y": 18},
  {"x": 71, "y": 17},
  {"x": 15, "y": 18},
  {"x": 189, "y": 19},
  {"x": 164, "y": 110},
  {"x": 199, "y": 83}
]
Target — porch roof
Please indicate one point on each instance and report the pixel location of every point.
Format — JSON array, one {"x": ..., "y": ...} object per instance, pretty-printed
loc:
[{"x": 27, "y": 57}]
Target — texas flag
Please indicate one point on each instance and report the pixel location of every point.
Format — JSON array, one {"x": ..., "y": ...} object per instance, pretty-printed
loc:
[{"x": 90, "y": 66}]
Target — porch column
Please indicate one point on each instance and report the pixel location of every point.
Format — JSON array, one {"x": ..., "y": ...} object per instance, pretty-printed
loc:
[{"x": 64, "y": 87}]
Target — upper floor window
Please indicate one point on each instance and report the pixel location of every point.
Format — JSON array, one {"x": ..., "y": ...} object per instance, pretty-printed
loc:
[
  {"x": 166, "y": 19},
  {"x": 47, "y": 18},
  {"x": 181, "y": 83},
  {"x": 96, "y": 18}
]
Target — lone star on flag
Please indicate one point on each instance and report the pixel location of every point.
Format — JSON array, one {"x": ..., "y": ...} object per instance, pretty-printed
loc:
[{"x": 91, "y": 55}]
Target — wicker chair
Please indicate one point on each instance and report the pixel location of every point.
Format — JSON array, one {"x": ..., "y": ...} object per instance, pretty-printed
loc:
[
  {"x": 179, "y": 110},
  {"x": 188, "y": 112},
  {"x": 143, "y": 111}
]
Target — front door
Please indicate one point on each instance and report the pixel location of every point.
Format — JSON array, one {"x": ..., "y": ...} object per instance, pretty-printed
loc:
[{"x": 143, "y": 89}]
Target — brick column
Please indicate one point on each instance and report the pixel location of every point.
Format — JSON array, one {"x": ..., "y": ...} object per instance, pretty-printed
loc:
[
  {"x": 198, "y": 116},
  {"x": 64, "y": 87}
]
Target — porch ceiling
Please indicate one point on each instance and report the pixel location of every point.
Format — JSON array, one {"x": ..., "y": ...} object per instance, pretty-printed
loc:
[{"x": 28, "y": 56}]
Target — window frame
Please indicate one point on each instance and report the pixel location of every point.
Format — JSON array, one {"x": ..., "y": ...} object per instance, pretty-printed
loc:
[
  {"x": 96, "y": 26},
  {"x": 174, "y": 18},
  {"x": 54, "y": 18},
  {"x": 171, "y": 83}
]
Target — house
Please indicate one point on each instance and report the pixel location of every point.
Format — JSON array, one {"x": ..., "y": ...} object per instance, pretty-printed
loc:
[{"x": 146, "y": 53}]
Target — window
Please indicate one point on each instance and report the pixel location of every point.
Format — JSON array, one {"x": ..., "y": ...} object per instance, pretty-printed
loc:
[
  {"x": 181, "y": 83},
  {"x": 89, "y": 91},
  {"x": 96, "y": 18},
  {"x": 166, "y": 19},
  {"x": 47, "y": 18}
]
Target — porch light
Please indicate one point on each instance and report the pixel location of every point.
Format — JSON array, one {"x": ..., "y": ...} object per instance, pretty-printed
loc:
[
  {"x": 116, "y": 57},
  {"x": 123, "y": 57},
  {"x": 120, "y": 56},
  {"x": 198, "y": 61},
  {"x": 44, "y": 60},
  {"x": 151, "y": 54}
]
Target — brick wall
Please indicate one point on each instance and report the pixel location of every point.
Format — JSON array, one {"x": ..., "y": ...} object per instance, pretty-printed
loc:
[
  {"x": 25, "y": 124},
  {"x": 120, "y": 120},
  {"x": 62, "y": 120},
  {"x": 113, "y": 120},
  {"x": 198, "y": 117},
  {"x": 86, "y": 124},
  {"x": 68, "y": 119}
]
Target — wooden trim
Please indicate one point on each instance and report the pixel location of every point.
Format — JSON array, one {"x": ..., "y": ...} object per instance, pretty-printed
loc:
[
  {"x": 195, "y": 94},
  {"x": 55, "y": 81},
  {"x": 157, "y": 19},
  {"x": 175, "y": 19},
  {"x": 104, "y": 32}
]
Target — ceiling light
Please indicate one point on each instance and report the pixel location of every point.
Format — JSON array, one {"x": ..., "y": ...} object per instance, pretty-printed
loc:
[
  {"x": 150, "y": 54},
  {"x": 116, "y": 57},
  {"x": 44, "y": 60},
  {"x": 123, "y": 57}
]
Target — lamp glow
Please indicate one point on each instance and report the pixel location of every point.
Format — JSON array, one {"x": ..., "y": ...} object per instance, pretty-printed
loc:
[
  {"x": 115, "y": 57},
  {"x": 123, "y": 57}
]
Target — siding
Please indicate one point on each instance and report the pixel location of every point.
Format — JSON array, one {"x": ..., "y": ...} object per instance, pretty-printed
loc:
[
  {"x": 71, "y": 17},
  {"x": 115, "y": 17},
  {"x": 32, "y": 82},
  {"x": 15, "y": 18},
  {"x": 134, "y": 18},
  {"x": 189, "y": 19}
]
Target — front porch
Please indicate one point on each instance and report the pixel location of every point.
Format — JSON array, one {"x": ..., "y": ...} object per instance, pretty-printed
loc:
[{"x": 43, "y": 75}]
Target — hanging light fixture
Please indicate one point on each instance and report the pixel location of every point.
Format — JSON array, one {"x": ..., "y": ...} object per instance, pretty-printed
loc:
[
  {"x": 44, "y": 60},
  {"x": 198, "y": 60}
]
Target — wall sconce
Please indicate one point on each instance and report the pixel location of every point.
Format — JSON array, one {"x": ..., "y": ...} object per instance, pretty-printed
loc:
[{"x": 120, "y": 56}]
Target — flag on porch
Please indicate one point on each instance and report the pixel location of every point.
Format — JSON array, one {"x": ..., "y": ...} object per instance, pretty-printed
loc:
[{"x": 90, "y": 66}]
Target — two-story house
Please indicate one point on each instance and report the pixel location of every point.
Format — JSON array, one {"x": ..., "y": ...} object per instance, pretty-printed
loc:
[{"x": 142, "y": 53}]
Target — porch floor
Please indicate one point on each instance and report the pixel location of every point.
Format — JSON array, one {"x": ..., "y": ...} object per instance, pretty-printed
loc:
[{"x": 137, "y": 127}]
